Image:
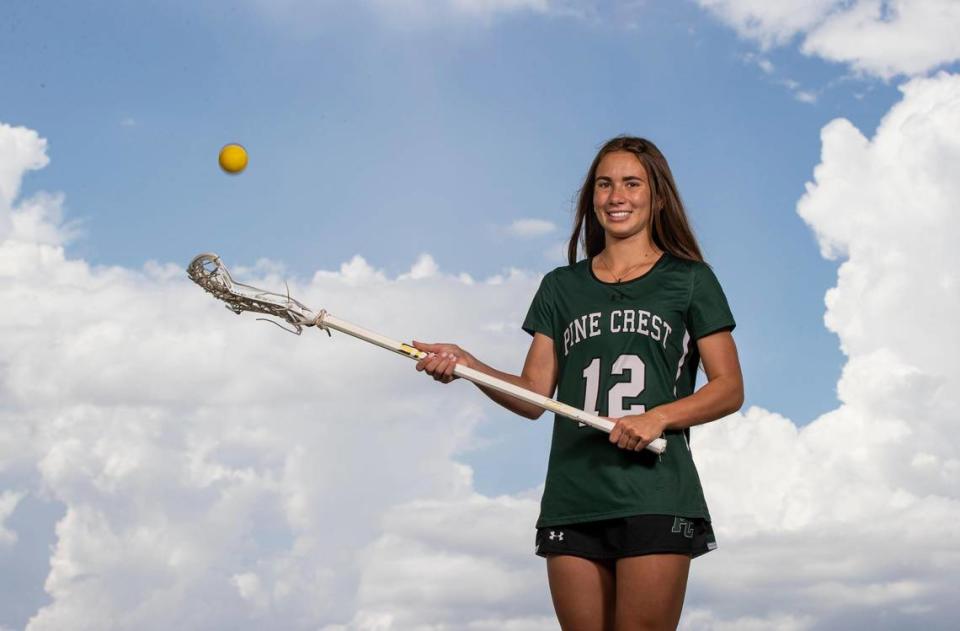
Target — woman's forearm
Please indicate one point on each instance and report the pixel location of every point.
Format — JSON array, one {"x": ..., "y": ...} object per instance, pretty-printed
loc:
[
  {"x": 719, "y": 397},
  {"x": 518, "y": 406}
]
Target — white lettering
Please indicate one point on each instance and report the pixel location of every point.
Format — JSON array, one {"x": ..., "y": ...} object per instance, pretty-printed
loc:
[
  {"x": 628, "y": 316},
  {"x": 656, "y": 321},
  {"x": 614, "y": 326},
  {"x": 580, "y": 330},
  {"x": 594, "y": 324},
  {"x": 621, "y": 321},
  {"x": 644, "y": 318}
]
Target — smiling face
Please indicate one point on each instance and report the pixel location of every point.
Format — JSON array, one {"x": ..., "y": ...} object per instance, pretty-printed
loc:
[{"x": 622, "y": 196}]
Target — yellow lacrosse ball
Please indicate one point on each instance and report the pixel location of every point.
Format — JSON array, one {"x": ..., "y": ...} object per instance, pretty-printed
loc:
[{"x": 233, "y": 158}]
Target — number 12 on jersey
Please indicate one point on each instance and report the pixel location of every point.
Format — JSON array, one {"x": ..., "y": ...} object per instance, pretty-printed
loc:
[{"x": 619, "y": 391}]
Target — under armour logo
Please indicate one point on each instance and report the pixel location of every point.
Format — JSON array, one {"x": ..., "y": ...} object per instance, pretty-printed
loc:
[
  {"x": 556, "y": 536},
  {"x": 681, "y": 525}
]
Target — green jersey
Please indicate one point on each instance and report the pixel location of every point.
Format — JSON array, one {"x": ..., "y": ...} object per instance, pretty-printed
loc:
[{"x": 623, "y": 348}]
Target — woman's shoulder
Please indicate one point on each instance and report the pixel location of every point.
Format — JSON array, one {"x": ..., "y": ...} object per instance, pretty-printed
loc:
[
  {"x": 579, "y": 266},
  {"x": 569, "y": 271},
  {"x": 683, "y": 262},
  {"x": 699, "y": 277},
  {"x": 691, "y": 267}
]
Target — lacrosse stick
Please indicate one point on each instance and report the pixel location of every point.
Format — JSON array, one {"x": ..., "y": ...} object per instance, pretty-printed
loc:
[{"x": 208, "y": 271}]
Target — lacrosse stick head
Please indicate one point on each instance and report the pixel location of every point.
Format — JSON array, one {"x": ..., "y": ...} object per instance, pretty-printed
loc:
[{"x": 208, "y": 271}]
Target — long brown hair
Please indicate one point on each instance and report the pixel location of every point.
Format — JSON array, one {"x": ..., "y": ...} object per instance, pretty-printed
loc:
[{"x": 671, "y": 231}]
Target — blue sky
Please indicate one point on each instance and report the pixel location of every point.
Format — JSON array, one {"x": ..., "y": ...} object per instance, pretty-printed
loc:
[
  {"x": 384, "y": 140},
  {"x": 378, "y": 131}
]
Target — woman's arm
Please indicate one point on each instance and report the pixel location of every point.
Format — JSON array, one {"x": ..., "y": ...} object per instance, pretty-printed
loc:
[
  {"x": 539, "y": 371},
  {"x": 720, "y": 396}
]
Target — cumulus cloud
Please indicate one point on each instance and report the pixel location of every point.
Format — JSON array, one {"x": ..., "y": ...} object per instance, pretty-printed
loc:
[
  {"x": 23, "y": 150},
  {"x": 472, "y": 566},
  {"x": 524, "y": 228},
  {"x": 424, "y": 267},
  {"x": 877, "y": 37},
  {"x": 8, "y": 502},
  {"x": 769, "y": 22},
  {"x": 215, "y": 472},
  {"x": 837, "y": 524},
  {"x": 830, "y": 523},
  {"x": 699, "y": 619}
]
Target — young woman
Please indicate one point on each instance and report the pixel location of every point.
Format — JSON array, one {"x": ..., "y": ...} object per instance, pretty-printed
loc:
[{"x": 621, "y": 333}]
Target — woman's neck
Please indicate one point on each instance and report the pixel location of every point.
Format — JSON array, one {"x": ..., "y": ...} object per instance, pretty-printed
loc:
[{"x": 621, "y": 254}]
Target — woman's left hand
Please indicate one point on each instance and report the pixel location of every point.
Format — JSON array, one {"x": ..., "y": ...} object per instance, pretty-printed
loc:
[{"x": 635, "y": 432}]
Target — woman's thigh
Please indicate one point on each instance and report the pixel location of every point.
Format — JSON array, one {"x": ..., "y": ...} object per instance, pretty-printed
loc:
[
  {"x": 650, "y": 591},
  {"x": 583, "y": 592}
]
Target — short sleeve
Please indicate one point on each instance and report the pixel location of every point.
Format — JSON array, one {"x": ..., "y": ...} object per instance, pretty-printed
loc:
[
  {"x": 540, "y": 315},
  {"x": 708, "y": 311}
]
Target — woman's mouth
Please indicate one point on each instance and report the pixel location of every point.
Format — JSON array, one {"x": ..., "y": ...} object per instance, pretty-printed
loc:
[{"x": 618, "y": 215}]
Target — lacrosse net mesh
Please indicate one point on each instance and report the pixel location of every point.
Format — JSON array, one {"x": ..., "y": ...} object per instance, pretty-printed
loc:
[{"x": 208, "y": 271}]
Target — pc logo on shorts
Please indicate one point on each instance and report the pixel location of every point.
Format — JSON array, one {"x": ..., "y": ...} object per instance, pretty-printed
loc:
[
  {"x": 556, "y": 536},
  {"x": 681, "y": 525}
]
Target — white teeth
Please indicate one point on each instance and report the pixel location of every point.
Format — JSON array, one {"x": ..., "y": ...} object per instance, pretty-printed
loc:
[{"x": 620, "y": 214}]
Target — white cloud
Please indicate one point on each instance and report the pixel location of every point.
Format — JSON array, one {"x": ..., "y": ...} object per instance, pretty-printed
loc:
[
  {"x": 355, "y": 272},
  {"x": 424, "y": 267},
  {"x": 769, "y": 23},
  {"x": 701, "y": 620},
  {"x": 830, "y": 523},
  {"x": 838, "y": 524},
  {"x": 889, "y": 38},
  {"x": 877, "y": 37},
  {"x": 525, "y": 228},
  {"x": 474, "y": 567},
  {"x": 8, "y": 503},
  {"x": 213, "y": 471},
  {"x": 217, "y": 473},
  {"x": 22, "y": 150}
]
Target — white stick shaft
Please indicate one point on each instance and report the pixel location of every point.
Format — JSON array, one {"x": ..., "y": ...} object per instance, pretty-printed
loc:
[{"x": 657, "y": 446}]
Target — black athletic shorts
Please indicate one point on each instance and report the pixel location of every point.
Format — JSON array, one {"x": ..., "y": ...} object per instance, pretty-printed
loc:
[{"x": 628, "y": 536}]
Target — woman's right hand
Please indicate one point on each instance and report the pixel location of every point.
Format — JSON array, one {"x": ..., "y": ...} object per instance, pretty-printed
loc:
[{"x": 441, "y": 360}]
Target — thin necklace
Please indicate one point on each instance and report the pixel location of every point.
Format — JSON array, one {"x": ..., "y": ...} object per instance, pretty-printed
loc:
[
  {"x": 626, "y": 271},
  {"x": 619, "y": 295}
]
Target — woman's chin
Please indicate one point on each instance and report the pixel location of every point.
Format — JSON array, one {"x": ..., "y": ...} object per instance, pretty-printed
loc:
[{"x": 622, "y": 232}]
